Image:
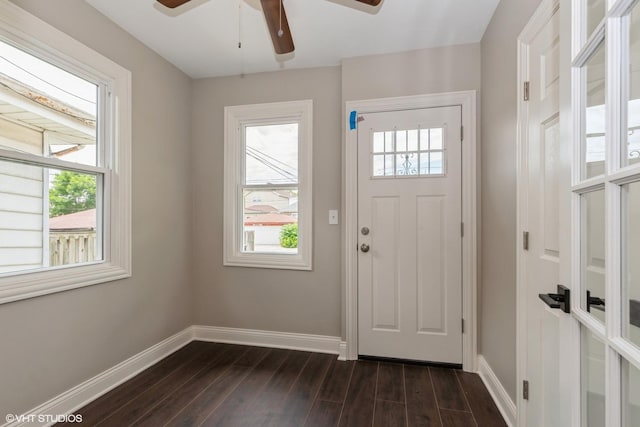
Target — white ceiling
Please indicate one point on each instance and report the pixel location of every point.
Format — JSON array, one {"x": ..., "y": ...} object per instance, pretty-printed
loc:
[{"x": 201, "y": 37}]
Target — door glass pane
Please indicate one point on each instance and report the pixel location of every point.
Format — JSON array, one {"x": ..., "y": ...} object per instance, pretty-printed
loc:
[
  {"x": 593, "y": 150},
  {"x": 378, "y": 142},
  {"x": 401, "y": 140},
  {"x": 593, "y": 252},
  {"x": 630, "y": 264},
  {"x": 592, "y": 380},
  {"x": 417, "y": 153},
  {"x": 596, "y": 10},
  {"x": 632, "y": 154},
  {"x": 630, "y": 395}
]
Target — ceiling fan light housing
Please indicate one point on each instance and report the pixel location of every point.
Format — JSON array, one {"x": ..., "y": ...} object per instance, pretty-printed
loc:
[{"x": 172, "y": 3}]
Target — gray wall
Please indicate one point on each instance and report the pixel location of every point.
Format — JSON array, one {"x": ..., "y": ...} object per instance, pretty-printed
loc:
[
  {"x": 497, "y": 340},
  {"x": 254, "y": 298},
  {"x": 425, "y": 71},
  {"x": 52, "y": 343}
]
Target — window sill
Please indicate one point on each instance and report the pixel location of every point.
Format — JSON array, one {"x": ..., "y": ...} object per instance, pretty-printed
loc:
[
  {"x": 279, "y": 262},
  {"x": 29, "y": 285}
]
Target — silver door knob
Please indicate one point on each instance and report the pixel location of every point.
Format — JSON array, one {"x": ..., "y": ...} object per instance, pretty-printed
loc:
[{"x": 364, "y": 247}]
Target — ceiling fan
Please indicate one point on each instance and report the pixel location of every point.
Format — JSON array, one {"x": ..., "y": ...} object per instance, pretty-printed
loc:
[{"x": 276, "y": 21}]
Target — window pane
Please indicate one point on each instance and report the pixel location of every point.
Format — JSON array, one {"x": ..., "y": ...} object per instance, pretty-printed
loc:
[
  {"x": 593, "y": 380},
  {"x": 424, "y": 163},
  {"x": 389, "y": 165},
  {"x": 424, "y": 139},
  {"x": 378, "y": 142},
  {"x": 436, "y": 166},
  {"x": 594, "y": 144},
  {"x": 412, "y": 143},
  {"x": 414, "y": 153},
  {"x": 593, "y": 252},
  {"x": 407, "y": 164},
  {"x": 271, "y": 155},
  {"x": 378, "y": 165},
  {"x": 45, "y": 110},
  {"x": 632, "y": 154},
  {"x": 630, "y": 265},
  {"x": 436, "y": 139},
  {"x": 596, "y": 10},
  {"x": 270, "y": 221},
  {"x": 401, "y": 140},
  {"x": 630, "y": 394},
  {"x": 388, "y": 142},
  {"x": 48, "y": 218}
]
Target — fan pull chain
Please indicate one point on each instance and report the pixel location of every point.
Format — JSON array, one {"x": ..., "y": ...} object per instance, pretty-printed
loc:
[
  {"x": 240, "y": 24},
  {"x": 280, "y": 32}
]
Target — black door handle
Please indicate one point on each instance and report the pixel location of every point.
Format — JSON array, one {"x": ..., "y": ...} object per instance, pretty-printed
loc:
[
  {"x": 561, "y": 300},
  {"x": 594, "y": 301}
]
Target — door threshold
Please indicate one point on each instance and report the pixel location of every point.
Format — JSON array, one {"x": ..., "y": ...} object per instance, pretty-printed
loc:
[{"x": 410, "y": 361}]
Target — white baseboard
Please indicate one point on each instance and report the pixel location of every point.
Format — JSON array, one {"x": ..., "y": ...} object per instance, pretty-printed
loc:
[
  {"x": 500, "y": 396},
  {"x": 291, "y": 341},
  {"x": 342, "y": 353},
  {"x": 77, "y": 397}
]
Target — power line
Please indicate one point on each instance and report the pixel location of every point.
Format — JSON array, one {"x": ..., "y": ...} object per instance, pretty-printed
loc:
[
  {"x": 287, "y": 176},
  {"x": 260, "y": 157},
  {"x": 47, "y": 82},
  {"x": 293, "y": 173}
]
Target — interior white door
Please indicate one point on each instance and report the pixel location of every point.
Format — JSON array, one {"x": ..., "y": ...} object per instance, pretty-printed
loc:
[
  {"x": 410, "y": 243},
  {"x": 542, "y": 260}
]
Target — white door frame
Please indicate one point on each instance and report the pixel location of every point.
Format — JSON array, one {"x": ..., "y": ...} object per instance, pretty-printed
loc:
[{"x": 467, "y": 101}]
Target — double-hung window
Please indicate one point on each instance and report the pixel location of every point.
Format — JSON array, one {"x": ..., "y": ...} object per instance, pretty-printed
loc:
[
  {"x": 64, "y": 161},
  {"x": 267, "y": 202}
]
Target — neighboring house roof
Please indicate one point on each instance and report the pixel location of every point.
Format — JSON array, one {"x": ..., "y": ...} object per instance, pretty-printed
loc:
[
  {"x": 84, "y": 220},
  {"x": 270, "y": 219},
  {"x": 261, "y": 208}
]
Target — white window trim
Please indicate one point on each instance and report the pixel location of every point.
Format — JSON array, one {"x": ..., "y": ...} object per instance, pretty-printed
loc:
[
  {"x": 235, "y": 118},
  {"x": 48, "y": 43}
]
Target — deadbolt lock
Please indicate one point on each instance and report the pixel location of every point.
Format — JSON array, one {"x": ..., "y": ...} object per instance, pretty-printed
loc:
[{"x": 364, "y": 231}]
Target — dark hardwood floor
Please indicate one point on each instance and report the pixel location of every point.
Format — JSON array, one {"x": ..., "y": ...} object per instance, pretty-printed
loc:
[{"x": 207, "y": 384}]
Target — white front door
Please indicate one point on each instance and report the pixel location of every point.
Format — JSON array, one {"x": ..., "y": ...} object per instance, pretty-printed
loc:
[
  {"x": 540, "y": 209},
  {"x": 410, "y": 243}
]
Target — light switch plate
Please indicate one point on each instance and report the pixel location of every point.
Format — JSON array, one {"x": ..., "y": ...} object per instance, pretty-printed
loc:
[{"x": 333, "y": 217}]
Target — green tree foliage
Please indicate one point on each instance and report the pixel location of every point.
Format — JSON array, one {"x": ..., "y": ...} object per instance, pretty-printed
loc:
[
  {"x": 289, "y": 236},
  {"x": 72, "y": 192}
]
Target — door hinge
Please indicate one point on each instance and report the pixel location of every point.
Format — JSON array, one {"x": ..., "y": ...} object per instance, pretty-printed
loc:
[
  {"x": 462, "y": 326},
  {"x": 526, "y": 91},
  {"x": 462, "y": 229},
  {"x": 525, "y": 390},
  {"x": 461, "y": 133},
  {"x": 525, "y": 240}
]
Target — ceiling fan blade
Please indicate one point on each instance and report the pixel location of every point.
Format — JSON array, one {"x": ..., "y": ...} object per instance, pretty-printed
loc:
[
  {"x": 172, "y": 3},
  {"x": 370, "y": 2},
  {"x": 284, "y": 43}
]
